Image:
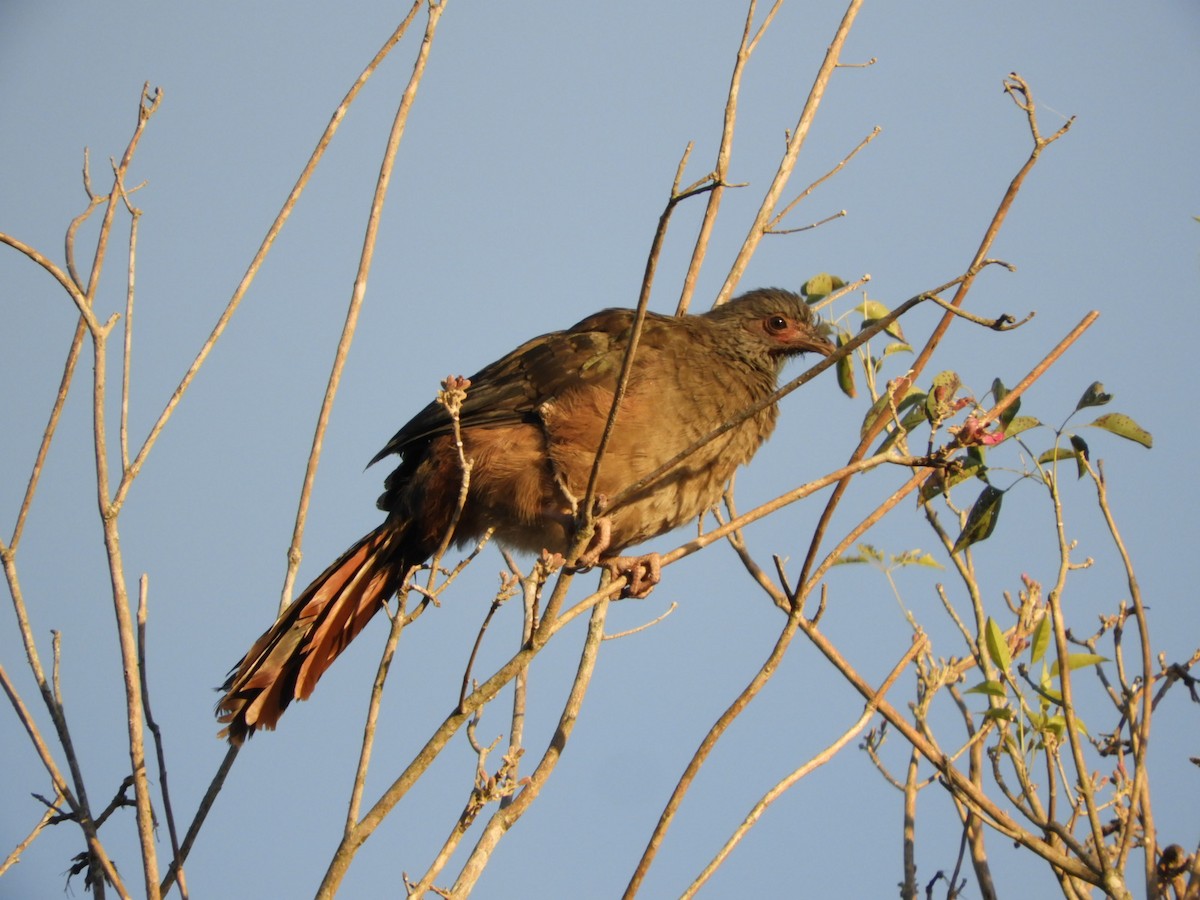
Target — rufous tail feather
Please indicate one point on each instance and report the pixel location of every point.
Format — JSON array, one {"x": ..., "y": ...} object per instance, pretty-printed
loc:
[{"x": 291, "y": 656}]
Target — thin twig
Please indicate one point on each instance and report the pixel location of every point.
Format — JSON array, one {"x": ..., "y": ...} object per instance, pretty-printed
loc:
[
  {"x": 135, "y": 215},
  {"x": 48, "y": 432},
  {"x": 772, "y": 227},
  {"x": 202, "y": 811},
  {"x": 39, "y": 744},
  {"x": 79, "y": 809},
  {"x": 1141, "y": 730},
  {"x": 52, "y": 699},
  {"x": 159, "y": 751},
  {"x": 451, "y": 397},
  {"x": 788, "y": 163},
  {"x": 505, "y": 817},
  {"x": 1003, "y": 322},
  {"x": 15, "y": 856},
  {"x": 908, "y": 887},
  {"x": 398, "y": 621},
  {"x": 1084, "y": 783},
  {"x": 744, "y": 698},
  {"x": 506, "y": 592},
  {"x": 645, "y": 625},
  {"x": 77, "y": 296},
  {"x": 348, "y": 846}
]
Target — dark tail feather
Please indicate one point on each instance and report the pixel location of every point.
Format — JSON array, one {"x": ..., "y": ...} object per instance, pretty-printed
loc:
[{"x": 288, "y": 660}]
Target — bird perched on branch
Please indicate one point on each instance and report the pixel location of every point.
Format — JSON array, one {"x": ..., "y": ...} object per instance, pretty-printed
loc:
[{"x": 531, "y": 424}]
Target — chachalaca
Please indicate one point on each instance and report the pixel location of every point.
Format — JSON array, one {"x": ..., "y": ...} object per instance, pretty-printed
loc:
[{"x": 531, "y": 423}]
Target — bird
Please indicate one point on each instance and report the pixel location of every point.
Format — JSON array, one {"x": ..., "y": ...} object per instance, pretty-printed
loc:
[{"x": 531, "y": 424}]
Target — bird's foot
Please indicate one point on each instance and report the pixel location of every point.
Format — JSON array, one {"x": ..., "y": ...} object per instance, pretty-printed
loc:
[{"x": 641, "y": 573}]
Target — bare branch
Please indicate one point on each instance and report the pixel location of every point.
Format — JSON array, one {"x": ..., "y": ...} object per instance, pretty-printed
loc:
[{"x": 788, "y": 163}]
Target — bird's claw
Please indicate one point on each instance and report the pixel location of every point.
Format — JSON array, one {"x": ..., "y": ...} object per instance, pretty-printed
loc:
[{"x": 641, "y": 573}]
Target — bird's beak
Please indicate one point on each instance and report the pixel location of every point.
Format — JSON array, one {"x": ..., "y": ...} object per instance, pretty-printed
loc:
[{"x": 818, "y": 342}]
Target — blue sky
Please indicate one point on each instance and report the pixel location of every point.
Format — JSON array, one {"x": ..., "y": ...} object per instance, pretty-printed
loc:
[{"x": 536, "y": 162}]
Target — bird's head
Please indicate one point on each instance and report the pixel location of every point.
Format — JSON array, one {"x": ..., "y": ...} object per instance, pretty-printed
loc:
[{"x": 771, "y": 325}]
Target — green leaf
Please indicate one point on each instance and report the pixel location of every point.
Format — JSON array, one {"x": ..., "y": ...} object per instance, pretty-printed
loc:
[
  {"x": 944, "y": 479},
  {"x": 997, "y": 647},
  {"x": 999, "y": 712},
  {"x": 1093, "y": 396},
  {"x": 912, "y": 396},
  {"x": 939, "y": 403},
  {"x": 820, "y": 285},
  {"x": 991, "y": 688},
  {"x": 912, "y": 419},
  {"x": 1048, "y": 693},
  {"x": 872, "y": 311},
  {"x": 878, "y": 408},
  {"x": 1081, "y": 453},
  {"x": 1056, "y": 725},
  {"x": 867, "y": 553},
  {"x": 1077, "y": 661},
  {"x": 1041, "y": 639},
  {"x": 1123, "y": 426},
  {"x": 871, "y": 552},
  {"x": 916, "y": 558},
  {"x": 1017, "y": 424},
  {"x": 1055, "y": 454},
  {"x": 981, "y": 520},
  {"x": 999, "y": 392},
  {"x": 845, "y": 371}
]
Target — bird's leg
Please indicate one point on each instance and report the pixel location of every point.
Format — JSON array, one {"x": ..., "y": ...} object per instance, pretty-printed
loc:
[
  {"x": 641, "y": 573},
  {"x": 601, "y": 539},
  {"x": 601, "y": 524}
]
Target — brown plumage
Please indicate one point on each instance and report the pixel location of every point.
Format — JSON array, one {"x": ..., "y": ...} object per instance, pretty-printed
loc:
[{"x": 531, "y": 422}]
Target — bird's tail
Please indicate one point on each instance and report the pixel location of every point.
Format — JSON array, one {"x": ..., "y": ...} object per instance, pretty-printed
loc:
[{"x": 291, "y": 656}]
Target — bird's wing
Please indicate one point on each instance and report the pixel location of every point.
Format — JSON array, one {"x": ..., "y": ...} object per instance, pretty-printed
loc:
[{"x": 512, "y": 388}]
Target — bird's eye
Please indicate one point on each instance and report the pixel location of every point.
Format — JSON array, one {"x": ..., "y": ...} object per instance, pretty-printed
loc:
[{"x": 777, "y": 324}]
